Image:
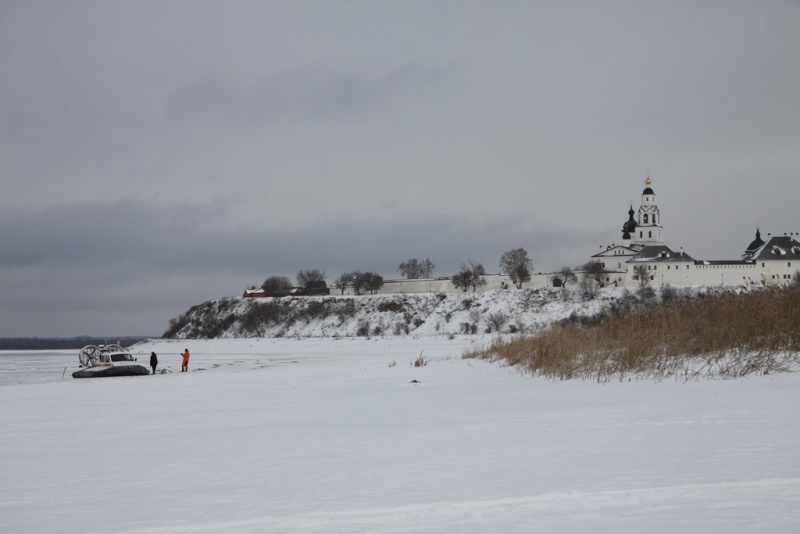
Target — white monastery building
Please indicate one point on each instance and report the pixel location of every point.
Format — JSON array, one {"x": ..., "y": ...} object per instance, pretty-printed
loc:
[{"x": 644, "y": 253}]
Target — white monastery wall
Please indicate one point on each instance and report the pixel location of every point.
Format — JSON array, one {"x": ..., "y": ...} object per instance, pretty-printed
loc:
[{"x": 445, "y": 285}]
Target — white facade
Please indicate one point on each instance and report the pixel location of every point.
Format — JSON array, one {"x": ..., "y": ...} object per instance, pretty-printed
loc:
[
  {"x": 649, "y": 230},
  {"x": 643, "y": 251},
  {"x": 772, "y": 262}
]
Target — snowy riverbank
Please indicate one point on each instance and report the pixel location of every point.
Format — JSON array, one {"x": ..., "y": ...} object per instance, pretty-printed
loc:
[
  {"x": 324, "y": 435},
  {"x": 428, "y": 314}
]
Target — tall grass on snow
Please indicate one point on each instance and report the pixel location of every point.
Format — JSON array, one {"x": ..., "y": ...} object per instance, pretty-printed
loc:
[{"x": 722, "y": 335}]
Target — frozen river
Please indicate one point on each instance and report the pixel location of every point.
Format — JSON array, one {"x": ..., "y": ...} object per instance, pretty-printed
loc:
[
  {"x": 347, "y": 436},
  {"x": 36, "y": 367}
]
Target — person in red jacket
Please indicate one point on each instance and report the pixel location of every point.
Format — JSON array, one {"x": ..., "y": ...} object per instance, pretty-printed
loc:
[{"x": 185, "y": 364}]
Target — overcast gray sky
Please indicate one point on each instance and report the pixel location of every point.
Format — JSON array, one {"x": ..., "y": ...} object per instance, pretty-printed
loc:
[{"x": 154, "y": 155}]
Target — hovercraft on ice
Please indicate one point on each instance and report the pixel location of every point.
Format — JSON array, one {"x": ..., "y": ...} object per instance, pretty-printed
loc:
[{"x": 107, "y": 360}]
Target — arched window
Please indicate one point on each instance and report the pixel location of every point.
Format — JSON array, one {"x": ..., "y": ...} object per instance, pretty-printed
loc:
[
  {"x": 645, "y": 218},
  {"x": 654, "y": 219}
]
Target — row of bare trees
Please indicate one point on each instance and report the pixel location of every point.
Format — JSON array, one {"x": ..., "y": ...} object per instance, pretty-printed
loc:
[
  {"x": 282, "y": 284},
  {"x": 360, "y": 282},
  {"x": 595, "y": 276},
  {"x": 516, "y": 263},
  {"x": 413, "y": 268}
]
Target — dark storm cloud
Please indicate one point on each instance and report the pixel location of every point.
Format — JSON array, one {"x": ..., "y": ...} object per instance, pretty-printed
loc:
[
  {"x": 91, "y": 261},
  {"x": 135, "y": 237}
]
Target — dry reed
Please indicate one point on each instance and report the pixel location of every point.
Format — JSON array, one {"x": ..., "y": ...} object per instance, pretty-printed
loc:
[{"x": 728, "y": 334}]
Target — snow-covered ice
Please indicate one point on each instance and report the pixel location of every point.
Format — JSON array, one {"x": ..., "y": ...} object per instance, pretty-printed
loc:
[{"x": 324, "y": 435}]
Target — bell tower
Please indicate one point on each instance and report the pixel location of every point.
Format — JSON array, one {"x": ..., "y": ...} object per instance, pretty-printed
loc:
[{"x": 648, "y": 228}]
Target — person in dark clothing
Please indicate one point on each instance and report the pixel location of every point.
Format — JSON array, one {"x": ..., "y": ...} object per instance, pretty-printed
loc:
[{"x": 153, "y": 361}]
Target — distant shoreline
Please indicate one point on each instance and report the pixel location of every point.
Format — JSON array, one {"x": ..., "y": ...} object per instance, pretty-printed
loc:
[{"x": 55, "y": 343}]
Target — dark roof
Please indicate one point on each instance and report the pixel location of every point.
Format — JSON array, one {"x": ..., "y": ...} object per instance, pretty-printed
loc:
[
  {"x": 660, "y": 253},
  {"x": 648, "y": 191},
  {"x": 756, "y": 244},
  {"x": 777, "y": 248},
  {"x": 629, "y": 225}
]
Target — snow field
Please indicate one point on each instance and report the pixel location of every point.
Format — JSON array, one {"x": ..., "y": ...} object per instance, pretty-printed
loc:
[{"x": 324, "y": 435}]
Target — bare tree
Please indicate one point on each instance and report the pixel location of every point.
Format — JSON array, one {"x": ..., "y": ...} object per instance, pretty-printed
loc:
[
  {"x": 359, "y": 281},
  {"x": 517, "y": 265},
  {"x": 477, "y": 275},
  {"x": 344, "y": 280},
  {"x": 311, "y": 275},
  {"x": 277, "y": 285},
  {"x": 470, "y": 276},
  {"x": 595, "y": 270},
  {"x": 566, "y": 275},
  {"x": 427, "y": 268},
  {"x": 640, "y": 273},
  {"x": 373, "y": 282},
  {"x": 413, "y": 268},
  {"x": 589, "y": 287},
  {"x": 462, "y": 280},
  {"x": 497, "y": 320}
]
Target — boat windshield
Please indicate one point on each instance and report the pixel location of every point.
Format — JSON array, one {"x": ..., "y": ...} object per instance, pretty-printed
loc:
[{"x": 121, "y": 358}]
